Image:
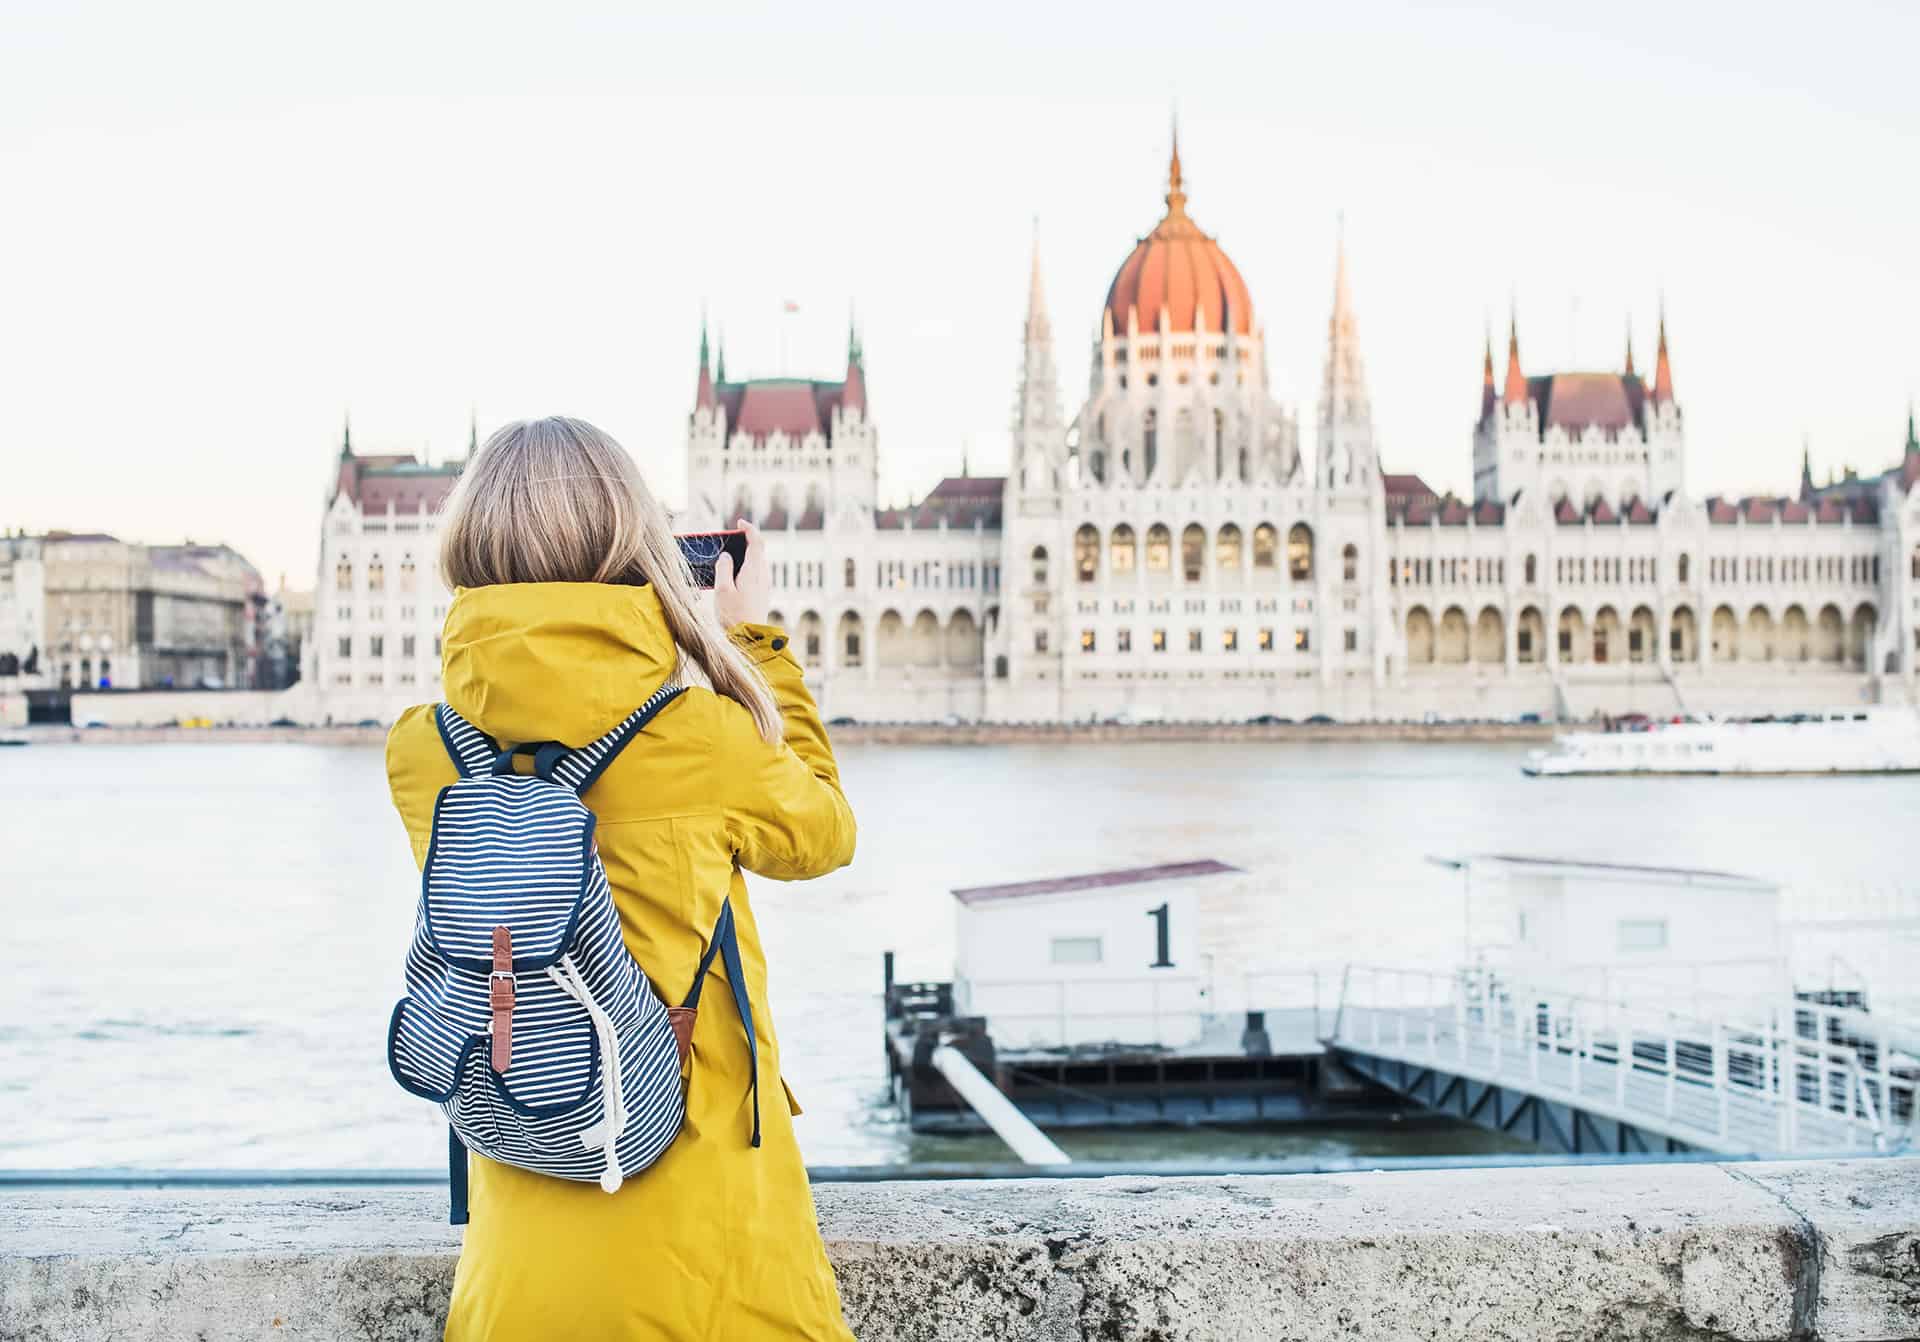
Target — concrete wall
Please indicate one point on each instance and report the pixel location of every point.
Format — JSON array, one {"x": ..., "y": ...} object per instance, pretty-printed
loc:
[{"x": 1729, "y": 1252}]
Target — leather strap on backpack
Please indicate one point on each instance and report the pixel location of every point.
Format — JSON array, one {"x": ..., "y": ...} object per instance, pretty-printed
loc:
[{"x": 500, "y": 998}]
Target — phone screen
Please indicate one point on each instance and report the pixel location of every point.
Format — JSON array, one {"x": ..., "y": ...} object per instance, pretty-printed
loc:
[{"x": 702, "y": 548}]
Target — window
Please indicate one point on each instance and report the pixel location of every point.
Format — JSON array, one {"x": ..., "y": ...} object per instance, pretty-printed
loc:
[
  {"x": 1350, "y": 563},
  {"x": 1159, "y": 549},
  {"x": 1532, "y": 569},
  {"x": 406, "y": 645},
  {"x": 1230, "y": 640},
  {"x": 343, "y": 575},
  {"x": 406, "y": 572},
  {"x": 1524, "y": 643},
  {"x": 1193, "y": 552},
  {"x": 1641, "y": 934},
  {"x": 376, "y": 646},
  {"x": 1159, "y": 640},
  {"x": 1121, "y": 555},
  {"x": 813, "y": 646},
  {"x": 848, "y": 575},
  {"x": 1039, "y": 640},
  {"x": 1039, "y": 566},
  {"x": 1264, "y": 640},
  {"x": 436, "y": 645},
  {"x": 1226, "y": 547},
  {"x": 853, "y": 649},
  {"x": 1086, "y": 554},
  {"x": 1266, "y": 544},
  {"x": 1088, "y": 641},
  {"x": 376, "y": 575},
  {"x": 1300, "y": 552},
  {"x": 1195, "y": 641},
  {"x": 1301, "y": 643},
  {"x": 1353, "y": 640},
  {"x": 1123, "y": 640},
  {"x": 1152, "y": 438},
  {"x": 1675, "y": 642},
  {"x": 346, "y": 647},
  {"x": 1076, "y": 951}
]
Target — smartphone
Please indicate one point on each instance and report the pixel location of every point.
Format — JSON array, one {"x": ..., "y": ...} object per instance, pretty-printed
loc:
[{"x": 703, "y": 548}]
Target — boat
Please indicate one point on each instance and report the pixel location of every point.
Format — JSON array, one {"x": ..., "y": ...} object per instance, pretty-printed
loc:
[{"x": 1838, "y": 741}]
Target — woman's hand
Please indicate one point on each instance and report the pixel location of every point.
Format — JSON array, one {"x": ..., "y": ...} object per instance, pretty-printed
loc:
[{"x": 743, "y": 599}]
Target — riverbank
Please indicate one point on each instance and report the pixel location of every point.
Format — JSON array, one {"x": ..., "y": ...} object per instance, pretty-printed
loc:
[
  {"x": 883, "y": 733},
  {"x": 1762, "y": 1252}
]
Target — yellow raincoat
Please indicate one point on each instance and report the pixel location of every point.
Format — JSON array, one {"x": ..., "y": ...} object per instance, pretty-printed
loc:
[{"x": 717, "y": 1241}]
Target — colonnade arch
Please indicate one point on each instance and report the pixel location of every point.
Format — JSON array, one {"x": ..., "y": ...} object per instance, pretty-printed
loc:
[
  {"x": 1683, "y": 635},
  {"x": 1451, "y": 645},
  {"x": 1643, "y": 638},
  {"x": 1490, "y": 637},
  {"x": 1723, "y": 633},
  {"x": 1419, "y": 636},
  {"x": 1830, "y": 635}
]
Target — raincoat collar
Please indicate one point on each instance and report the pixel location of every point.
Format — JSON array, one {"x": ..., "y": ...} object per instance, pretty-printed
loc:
[{"x": 553, "y": 661}]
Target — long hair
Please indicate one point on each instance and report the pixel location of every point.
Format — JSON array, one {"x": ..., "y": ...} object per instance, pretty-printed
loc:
[{"x": 557, "y": 500}]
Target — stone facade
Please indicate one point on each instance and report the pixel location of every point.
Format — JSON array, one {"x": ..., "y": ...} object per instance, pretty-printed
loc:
[{"x": 1171, "y": 551}]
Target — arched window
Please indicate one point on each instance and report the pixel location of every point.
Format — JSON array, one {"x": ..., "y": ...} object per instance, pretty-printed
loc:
[
  {"x": 406, "y": 572},
  {"x": 1086, "y": 554},
  {"x": 376, "y": 574},
  {"x": 1097, "y": 465},
  {"x": 1039, "y": 566},
  {"x": 1350, "y": 564},
  {"x": 1219, "y": 445},
  {"x": 343, "y": 575},
  {"x": 1121, "y": 555},
  {"x": 1916, "y": 561},
  {"x": 1226, "y": 547},
  {"x": 1299, "y": 552},
  {"x": 1686, "y": 567},
  {"x": 1533, "y": 569},
  {"x": 848, "y": 572},
  {"x": 1193, "y": 552},
  {"x": 1152, "y": 440},
  {"x": 1159, "y": 549},
  {"x": 1266, "y": 546}
]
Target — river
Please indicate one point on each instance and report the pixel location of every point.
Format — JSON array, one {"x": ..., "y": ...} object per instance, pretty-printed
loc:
[{"x": 206, "y": 939}]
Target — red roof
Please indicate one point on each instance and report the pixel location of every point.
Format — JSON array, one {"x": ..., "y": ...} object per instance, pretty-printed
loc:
[
  {"x": 376, "y": 482},
  {"x": 1182, "y": 270},
  {"x": 958, "y": 500},
  {"x": 1639, "y": 514},
  {"x": 1601, "y": 513},
  {"x": 1565, "y": 513},
  {"x": 1099, "y": 880},
  {"x": 1577, "y": 402},
  {"x": 1405, "y": 487}
]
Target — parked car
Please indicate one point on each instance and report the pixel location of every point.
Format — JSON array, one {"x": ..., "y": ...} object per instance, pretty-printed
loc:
[
  {"x": 842, "y": 721},
  {"x": 1268, "y": 720},
  {"x": 1320, "y": 718}
]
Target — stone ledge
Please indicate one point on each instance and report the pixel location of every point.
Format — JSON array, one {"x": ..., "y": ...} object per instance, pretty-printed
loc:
[{"x": 1827, "y": 1250}]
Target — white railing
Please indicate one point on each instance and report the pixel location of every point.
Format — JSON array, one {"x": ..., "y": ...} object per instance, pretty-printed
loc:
[
  {"x": 1800, "y": 1078},
  {"x": 1155, "y": 1011}
]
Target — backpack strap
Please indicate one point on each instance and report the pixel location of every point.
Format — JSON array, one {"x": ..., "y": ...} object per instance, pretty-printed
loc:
[
  {"x": 581, "y": 769},
  {"x": 726, "y": 944},
  {"x": 471, "y": 749},
  {"x": 456, "y": 1178}
]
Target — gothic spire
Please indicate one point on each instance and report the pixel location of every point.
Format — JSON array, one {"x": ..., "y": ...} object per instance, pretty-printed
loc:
[
  {"x": 1806, "y": 468},
  {"x": 1662, "y": 370},
  {"x": 1913, "y": 442},
  {"x": 1629, "y": 347},
  {"x": 1176, "y": 194},
  {"x": 473, "y": 432},
  {"x": 1489, "y": 395},
  {"x": 1516, "y": 390},
  {"x": 1343, "y": 394},
  {"x": 1039, "y": 391},
  {"x": 346, "y": 435},
  {"x": 720, "y": 356},
  {"x": 703, "y": 397}
]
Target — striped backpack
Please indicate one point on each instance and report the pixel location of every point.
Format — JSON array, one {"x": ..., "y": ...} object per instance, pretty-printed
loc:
[{"x": 526, "y": 1018}]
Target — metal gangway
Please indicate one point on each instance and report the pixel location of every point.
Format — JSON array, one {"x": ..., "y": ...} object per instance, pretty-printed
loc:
[{"x": 1645, "y": 1071}]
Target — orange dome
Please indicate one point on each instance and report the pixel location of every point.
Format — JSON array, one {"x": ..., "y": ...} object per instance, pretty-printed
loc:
[{"x": 1181, "y": 269}]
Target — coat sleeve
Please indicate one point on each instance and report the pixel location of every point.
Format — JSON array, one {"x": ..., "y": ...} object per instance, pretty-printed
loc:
[{"x": 786, "y": 814}]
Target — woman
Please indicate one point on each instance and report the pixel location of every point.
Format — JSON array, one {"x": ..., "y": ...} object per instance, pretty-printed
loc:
[{"x": 572, "y": 605}]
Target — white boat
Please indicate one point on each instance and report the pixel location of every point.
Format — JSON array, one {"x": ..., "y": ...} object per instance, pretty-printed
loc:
[{"x": 1852, "y": 741}]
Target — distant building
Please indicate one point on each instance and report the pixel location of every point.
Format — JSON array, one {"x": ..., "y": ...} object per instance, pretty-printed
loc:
[
  {"x": 289, "y": 631},
  {"x": 1172, "y": 551},
  {"x": 23, "y": 617},
  {"x": 122, "y": 615},
  {"x": 378, "y": 604}
]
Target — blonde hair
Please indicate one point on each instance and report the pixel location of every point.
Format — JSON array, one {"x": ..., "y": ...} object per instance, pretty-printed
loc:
[{"x": 557, "y": 500}]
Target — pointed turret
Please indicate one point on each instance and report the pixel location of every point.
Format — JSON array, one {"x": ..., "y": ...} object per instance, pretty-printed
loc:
[
  {"x": 1516, "y": 390},
  {"x": 720, "y": 357},
  {"x": 1662, "y": 370},
  {"x": 1039, "y": 391},
  {"x": 1913, "y": 441},
  {"x": 1806, "y": 469},
  {"x": 1629, "y": 348},
  {"x": 473, "y": 432},
  {"x": 854, "y": 397},
  {"x": 1346, "y": 417},
  {"x": 1176, "y": 193},
  {"x": 703, "y": 398},
  {"x": 1489, "y": 394},
  {"x": 346, "y": 435}
]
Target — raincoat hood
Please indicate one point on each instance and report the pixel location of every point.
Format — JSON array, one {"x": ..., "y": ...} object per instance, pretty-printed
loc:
[{"x": 553, "y": 661}]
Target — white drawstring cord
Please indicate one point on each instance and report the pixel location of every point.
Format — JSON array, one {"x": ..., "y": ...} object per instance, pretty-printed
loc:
[{"x": 613, "y": 1122}]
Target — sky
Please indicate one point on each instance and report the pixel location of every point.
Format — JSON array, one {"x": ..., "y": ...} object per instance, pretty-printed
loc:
[{"x": 226, "y": 227}]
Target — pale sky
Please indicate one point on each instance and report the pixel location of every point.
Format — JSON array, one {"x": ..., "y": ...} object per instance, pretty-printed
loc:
[{"x": 226, "y": 225}]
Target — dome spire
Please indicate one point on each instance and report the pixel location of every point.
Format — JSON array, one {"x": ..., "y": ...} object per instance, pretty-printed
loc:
[
  {"x": 1176, "y": 195},
  {"x": 1516, "y": 390}
]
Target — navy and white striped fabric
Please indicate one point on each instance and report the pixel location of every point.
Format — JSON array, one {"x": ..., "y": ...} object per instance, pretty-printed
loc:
[{"x": 517, "y": 850}]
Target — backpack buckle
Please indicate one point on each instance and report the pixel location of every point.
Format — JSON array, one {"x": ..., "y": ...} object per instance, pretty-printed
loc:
[{"x": 500, "y": 995}]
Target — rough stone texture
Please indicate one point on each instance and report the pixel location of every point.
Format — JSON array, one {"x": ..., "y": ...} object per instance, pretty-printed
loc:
[
  {"x": 1863, "y": 1219},
  {"x": 1827, "y": 1250}
]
